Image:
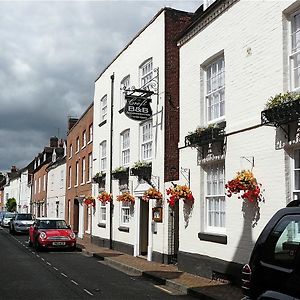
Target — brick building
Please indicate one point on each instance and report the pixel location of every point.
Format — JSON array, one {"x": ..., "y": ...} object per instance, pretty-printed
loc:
[{"x": 79, "y": 162}]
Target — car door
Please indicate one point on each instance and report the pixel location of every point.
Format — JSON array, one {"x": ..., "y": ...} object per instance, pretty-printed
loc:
[{"x": 278, "y": 268}]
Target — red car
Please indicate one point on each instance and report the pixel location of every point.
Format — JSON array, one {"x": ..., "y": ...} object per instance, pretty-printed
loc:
[{"x": 46, "y": 233}]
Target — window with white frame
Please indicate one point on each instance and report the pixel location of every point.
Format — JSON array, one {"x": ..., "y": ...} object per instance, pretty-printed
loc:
[
  {"x": 146, "y": 72},
  {"x": 90, "y": 166},
  {"x": 44, "y": 184},
  {"x": 91, "y": 133},
  {"x": 39, "y": 184},
  {"x": 125, "y": 84},
  {"x": 76, "y": 173},
  {"x": 125, "y": 213},
  {"x": 103, "y": 158},
  {"x": 146, "y": 140},
  {"x": 215, "y": 90},
  {"x": 215, "y": 198},
  {"x": 295, "y": 51},
  {"x": 83, "y": 170},
  {"x": 35, "y": 186},
  {"x": 71, "y": 151},
  {"x": 70, "y": 177},
  {"x": 83, "y": 139},
  {"x": 125, "y": 147},
  {"x": 296, "y": 175},
  {"x": 103, "y": 109},
  {"x": 102, "y": 213},
  {"x": 77, "y": 145}
]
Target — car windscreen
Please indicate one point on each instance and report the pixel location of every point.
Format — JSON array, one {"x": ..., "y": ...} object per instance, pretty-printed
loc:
[
  {"x": 27, "y": 217},
  {"x": 53, "y": 224},
  {"x": 9, "y": 215}
]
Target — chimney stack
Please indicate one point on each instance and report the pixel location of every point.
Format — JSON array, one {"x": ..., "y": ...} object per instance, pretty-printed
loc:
[
  {"x": 53, "y": 142},
  {"x": 13, "y": 169},
  {"x": 71, "y": 122}
]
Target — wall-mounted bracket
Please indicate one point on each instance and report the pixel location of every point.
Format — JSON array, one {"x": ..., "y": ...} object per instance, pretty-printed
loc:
[
  {"x": 186, "y": 173},
  {"x": 249, "y": 160}
]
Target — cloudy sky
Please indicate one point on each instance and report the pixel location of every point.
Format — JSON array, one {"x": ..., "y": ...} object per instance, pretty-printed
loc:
[{"x": 50, "y": 56}]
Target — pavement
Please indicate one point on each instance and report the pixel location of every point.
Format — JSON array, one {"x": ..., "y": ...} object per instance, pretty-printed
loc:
[{"x": 168, "y": 275}]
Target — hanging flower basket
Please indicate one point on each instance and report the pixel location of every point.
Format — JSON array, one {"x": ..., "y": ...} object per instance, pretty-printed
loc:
[
  {"x": 152, "y": 193},
  {"x": 205, "y": 135},
  {"x": 105, "y": 197},
  {"x": 141, "y": 169},
  {"x": 179, "y": 192},
  {"x": 99, "y": 177},
  {"x": 126, "y": 197},
  {"x": 120, "y": 173},
  {"x": 245, "y": 185},
  {"x": 281, "y": 109},
  {"x": 89, "y": 201}
]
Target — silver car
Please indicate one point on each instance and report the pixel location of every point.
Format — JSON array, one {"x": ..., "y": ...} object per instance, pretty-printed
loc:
[
  {"x": 20, "y": 223},
  {"x": 6, "y": 219}
]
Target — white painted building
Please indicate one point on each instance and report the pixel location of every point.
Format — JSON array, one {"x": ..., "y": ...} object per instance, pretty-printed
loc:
[
  {"x": 149, "y": 62},
  {"x": 233, "y": 58},
  {"x": 23, "y": 203},
  {"x": 56, "y": 185},
  {"x": 12, "y": 186}
]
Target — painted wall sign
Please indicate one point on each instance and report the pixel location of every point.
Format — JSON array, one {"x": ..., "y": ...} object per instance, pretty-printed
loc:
[{"x": 137, "y": 108}]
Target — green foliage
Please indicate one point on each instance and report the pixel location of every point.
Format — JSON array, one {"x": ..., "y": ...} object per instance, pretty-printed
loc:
[
  {"x": 120, "y": 169},
  {"x": 11, "y": 204},
  {"x": 141, "y": 164},
  {"x": 281, "y": 99},
  {"x": 201, "y": 130}
]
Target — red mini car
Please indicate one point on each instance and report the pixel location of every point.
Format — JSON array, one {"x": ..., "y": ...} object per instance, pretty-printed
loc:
[{"x": 46, "y": 233}]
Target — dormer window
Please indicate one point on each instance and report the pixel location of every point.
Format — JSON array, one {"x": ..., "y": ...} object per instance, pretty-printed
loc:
[{"x": 45, "y": 156}]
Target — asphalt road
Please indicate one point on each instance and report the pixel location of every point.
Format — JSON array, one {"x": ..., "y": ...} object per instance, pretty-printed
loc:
[{"x": 27, "y": 274}]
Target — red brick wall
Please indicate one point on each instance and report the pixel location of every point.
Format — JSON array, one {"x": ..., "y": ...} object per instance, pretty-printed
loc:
[{"x": 175, "y": 24}]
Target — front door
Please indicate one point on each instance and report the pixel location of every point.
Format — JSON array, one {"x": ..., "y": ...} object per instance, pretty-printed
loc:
[
  {"x": 76, "y": 215},
  {"x": 144, "y": 215}
]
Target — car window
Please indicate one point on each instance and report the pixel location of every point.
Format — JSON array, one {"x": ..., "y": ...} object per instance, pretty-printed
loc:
[
  {"x": 26, "y": 217},
  {"x": 53, "y": 224},
  {"x": 283, "y": 244},
  {"x": 9, "y": 215}
]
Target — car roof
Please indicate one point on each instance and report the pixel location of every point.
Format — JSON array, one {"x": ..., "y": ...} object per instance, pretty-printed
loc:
[{"x": 49, "y": 219}]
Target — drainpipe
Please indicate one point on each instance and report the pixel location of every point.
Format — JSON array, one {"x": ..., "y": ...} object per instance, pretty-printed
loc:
[{"x": 112, "y": 77}]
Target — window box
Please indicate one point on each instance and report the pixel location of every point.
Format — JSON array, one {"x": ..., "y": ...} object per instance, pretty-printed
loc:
[
  {"x": 99, "y": 178},
  {"x": 281, "y": 109},
  {"x": 120, "y": 173},
  {"x": 205, "y": 135},
  {"x": 142, "y": 170}
]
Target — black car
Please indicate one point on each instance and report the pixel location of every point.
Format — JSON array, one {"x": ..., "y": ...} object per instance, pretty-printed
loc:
[{"x": 274, "y": 268}]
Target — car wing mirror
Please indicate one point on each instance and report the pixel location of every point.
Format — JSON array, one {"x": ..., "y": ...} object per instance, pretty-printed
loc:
[{"x": 69, "y": 226}]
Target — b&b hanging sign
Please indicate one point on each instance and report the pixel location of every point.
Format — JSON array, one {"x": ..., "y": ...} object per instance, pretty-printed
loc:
[{"x": 137, "y": 108}]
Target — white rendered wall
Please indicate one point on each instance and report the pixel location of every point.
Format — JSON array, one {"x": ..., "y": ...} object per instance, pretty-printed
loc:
[
  {"x": 56, "y": 191},
  {"x": 25, "y": 193},
  {"x": 128, "y": 64},
  {"x": 251, "y": 36}
]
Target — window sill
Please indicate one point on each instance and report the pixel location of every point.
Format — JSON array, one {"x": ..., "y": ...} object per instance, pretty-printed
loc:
[
  {"x": 121, "y": 110},
  {"x": 89, "y": 181},
  {"x": 124, "y": 229},
  {"x": 89, "y": 142},
  {"x": 213, "y": 237},
  {"x": 83, "y": 183},
  {"x": 101, "y": 225},
  {"x": 69, "y": 188},
  {"x": 76, "y": 185},
  {"x": 83, "y": 147},
  {"x": 102, "y": 123},
  {"x": 77, "y": 152}
]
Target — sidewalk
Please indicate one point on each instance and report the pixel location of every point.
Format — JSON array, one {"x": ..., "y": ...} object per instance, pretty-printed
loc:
[{"x": 167, "y": 275}]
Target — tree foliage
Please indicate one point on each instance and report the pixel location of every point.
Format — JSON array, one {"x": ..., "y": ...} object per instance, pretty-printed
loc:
[{"x": 11, "y": 204}]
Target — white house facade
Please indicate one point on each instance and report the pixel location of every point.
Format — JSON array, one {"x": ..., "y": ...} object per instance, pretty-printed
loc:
[
  {"x": 56, "y": 186},
  {"x": 233, "y": 58},
  {"x": 23, "y": 202},
  {"x": 139, "y": 71}
]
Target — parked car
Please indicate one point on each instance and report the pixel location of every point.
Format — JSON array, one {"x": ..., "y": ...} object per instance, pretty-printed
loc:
[
  {"x": 2, "y": 213},
  {"x": 20, "y": 223},
  {"x": 6, "y": 218},
  {"x": 46, "y": 233},
  {"x": 274, "y": 268}
]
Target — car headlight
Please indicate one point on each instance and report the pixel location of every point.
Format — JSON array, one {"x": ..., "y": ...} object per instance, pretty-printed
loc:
[
  {"x": 72, "y": 235},
  {"x": 43, "y": 235}
]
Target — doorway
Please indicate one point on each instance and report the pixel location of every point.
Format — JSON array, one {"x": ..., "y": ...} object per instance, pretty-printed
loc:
[
  {"x": 76, "y": 216},
  {"x": 144, "y": 223}
]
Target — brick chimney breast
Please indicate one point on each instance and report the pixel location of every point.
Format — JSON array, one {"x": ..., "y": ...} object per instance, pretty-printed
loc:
[{"x": 13, "y": 169}]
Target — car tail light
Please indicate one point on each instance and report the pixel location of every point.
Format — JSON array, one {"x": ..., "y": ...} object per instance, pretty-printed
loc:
[{"x": 246, "y": 279}]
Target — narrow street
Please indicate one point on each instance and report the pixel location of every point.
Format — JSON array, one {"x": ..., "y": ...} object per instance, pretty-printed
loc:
[{"x": 27, "y": 274}]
